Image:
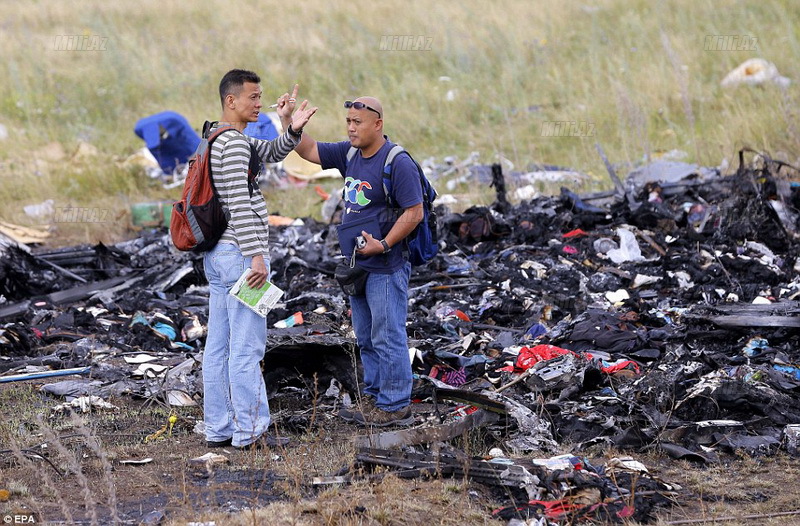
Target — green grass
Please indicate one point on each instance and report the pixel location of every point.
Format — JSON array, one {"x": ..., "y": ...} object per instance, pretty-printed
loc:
[{"x": 636, "y": 70}]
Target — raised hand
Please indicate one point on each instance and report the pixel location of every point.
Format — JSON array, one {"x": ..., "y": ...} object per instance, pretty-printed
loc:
[
  {"x": 286, "y": 104},
  {"x": 285, "y": 110},
  {"x": 302, "y": 116}
]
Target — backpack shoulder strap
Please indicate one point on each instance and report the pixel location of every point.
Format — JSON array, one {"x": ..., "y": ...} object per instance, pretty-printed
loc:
[
  {"x": 255, "y": 163},
  {"x": 351, "y": 153},
  {"x": 219, "y": 131},
  {"x": 394, "y": 152},
  {"x": 388, "y": 171}
]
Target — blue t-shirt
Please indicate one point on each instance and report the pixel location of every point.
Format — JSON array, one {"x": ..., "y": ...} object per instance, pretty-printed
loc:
[{"x": 365, "y": 198}]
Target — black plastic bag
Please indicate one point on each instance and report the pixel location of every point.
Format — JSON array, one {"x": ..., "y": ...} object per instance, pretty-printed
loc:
[{"x": 353, "y": 280}]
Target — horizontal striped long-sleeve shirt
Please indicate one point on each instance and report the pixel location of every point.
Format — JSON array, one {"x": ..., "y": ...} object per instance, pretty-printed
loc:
[{"x": 248, "y": 227}]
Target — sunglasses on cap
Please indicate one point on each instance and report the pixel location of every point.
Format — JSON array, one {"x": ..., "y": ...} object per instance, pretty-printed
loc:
[{"x": 360, "y": 106}]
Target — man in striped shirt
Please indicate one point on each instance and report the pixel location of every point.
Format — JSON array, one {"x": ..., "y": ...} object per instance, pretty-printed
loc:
[{"x": 236, "y": 411}]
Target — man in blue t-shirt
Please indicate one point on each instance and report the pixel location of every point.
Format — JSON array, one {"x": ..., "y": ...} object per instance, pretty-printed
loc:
[{"x": 379, "y": 316}]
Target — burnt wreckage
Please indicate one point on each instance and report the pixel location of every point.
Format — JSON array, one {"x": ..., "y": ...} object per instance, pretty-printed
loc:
[{"x": 661, "y": 314}]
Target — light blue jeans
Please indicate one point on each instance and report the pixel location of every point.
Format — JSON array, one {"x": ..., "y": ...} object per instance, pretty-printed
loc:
[
  {"x": 379, "y": 321},
  {"x": 235, "y": 398}
]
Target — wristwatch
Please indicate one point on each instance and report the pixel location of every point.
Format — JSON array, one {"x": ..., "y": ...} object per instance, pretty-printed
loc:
[
  {"x": 386, "y": 247},
  {"x": 294, "y": 133}
]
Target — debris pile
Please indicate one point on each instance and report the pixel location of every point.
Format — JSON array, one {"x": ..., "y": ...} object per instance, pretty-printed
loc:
[{"x": 659, "y": 315}]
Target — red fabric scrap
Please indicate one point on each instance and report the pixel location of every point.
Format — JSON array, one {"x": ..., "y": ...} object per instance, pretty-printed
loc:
[
  {"x": 554, "y": 509},
  {"x": 461, "y": 315},
  {"x": 575, "y": 233},
  {"x": 626, "y": 364},
  {"x": 530, "y": 356}
]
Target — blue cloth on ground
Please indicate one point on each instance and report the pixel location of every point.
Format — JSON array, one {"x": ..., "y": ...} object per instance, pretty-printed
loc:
[{"x": 169, "y": 137}]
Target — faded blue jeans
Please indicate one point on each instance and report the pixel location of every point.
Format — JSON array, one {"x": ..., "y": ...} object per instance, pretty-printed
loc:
[
  {"x": 235, "y": 398},
  {"x": 379, "y": 321}
]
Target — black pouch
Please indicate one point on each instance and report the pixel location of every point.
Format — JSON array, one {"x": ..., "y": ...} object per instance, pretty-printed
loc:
[{"x": 352, "y": 278}]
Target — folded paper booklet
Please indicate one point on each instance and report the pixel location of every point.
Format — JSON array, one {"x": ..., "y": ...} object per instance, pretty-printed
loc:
[{"x": 260, "y": 300}]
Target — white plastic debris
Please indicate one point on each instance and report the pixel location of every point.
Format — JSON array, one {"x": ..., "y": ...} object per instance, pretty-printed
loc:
[
  {"x": 136, "y": 462},
  {"x": 642, "y": 279},
  {"x": 603, "y": 245},
  {"x": 140, "y": 358},
  {"x": 684, "y": 279},
  {"x": 43, "y": 209},
  {"x": 150, "y": 370},
  {"x": 496, "y": 452},
  {"x": 628, "y": 248},
  {"x": 755, "y": 71},
  {"x": 446, "y": 199},
  {"x": 180, "y": 398},
  {"x": 209, "y": 458},
  {"x": 525, "y": 193},
  {"x": 626, "y": 464},
  {"x": 85, "y": 404},
  {"x": 617, "y": 296},
  {"x": 791, "y": 435}
]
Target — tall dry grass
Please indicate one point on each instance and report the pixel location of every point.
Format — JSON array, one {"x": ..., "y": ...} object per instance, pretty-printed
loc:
[{"x": 493, "y": 74}]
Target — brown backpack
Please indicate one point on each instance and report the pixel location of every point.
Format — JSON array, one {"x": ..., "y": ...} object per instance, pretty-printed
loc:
[{"x": 199, "y": 218}]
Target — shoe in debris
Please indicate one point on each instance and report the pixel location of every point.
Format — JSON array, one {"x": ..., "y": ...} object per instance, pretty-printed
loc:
[
  {"x": 366, "y": 404},
  {"x": 265, "y": 441},
  {"x": 379, "y": 418},
  {"x": 219, "y": 443}
]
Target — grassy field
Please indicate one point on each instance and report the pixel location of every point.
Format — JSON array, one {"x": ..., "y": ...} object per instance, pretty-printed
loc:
[{"x": 472, "y": 77}]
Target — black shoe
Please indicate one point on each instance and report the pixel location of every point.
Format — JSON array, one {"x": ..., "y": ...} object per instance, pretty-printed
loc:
[
  {"x": 219, "y": 443},
  {"x": 264, "y": 441},
  {"x": 348, "y": 414},
  {"x": 379, "y": 418}
]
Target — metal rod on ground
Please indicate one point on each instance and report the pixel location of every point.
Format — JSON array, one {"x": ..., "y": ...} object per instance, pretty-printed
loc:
[
  {"x": 518, "y": 379},
  {"x": 44, "y": 374},
  {"x": 650, "y": 241},
  {"x": 611, "y": 172},
  {"x": 62, "y": 270},
  {"x": 743, "y": 517}
]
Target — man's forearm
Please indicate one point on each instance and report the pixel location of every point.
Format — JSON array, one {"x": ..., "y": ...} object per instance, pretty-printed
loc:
[
  {"x": 404, "y": 225},
  {"x": 306, "y": 149}
]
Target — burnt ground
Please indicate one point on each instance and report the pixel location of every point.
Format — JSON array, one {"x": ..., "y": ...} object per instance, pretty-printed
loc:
[
  {"x": 663, "y": 326},
  {"x": 79, "y": 485},
  {"x": 172, "y": 490}
]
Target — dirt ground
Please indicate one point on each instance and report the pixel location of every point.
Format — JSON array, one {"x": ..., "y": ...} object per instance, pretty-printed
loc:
[{"x": 89, "y": 479}]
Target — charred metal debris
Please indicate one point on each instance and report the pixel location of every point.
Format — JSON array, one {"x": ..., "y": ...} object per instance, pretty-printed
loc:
[{"x": 661, "y": 315}]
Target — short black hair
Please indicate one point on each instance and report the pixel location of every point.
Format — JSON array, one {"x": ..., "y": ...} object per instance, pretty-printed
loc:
[{"x": 233, "y": 81}]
